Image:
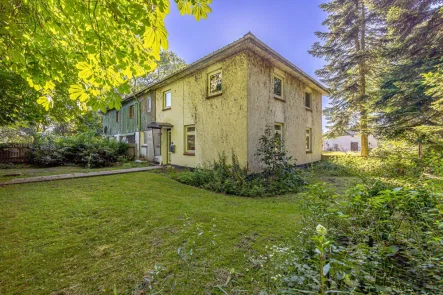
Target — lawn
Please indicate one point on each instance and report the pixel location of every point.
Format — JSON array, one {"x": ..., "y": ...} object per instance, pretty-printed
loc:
[{"x": 87, "y": 236}]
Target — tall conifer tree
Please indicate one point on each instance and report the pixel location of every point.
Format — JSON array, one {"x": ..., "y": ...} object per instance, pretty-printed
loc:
[
  {"x": 348, "y": 48},
  {"x": 409, "y": 103}
]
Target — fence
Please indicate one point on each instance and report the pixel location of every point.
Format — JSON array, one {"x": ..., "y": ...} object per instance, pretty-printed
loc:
[{"x": 14, "y": 152}]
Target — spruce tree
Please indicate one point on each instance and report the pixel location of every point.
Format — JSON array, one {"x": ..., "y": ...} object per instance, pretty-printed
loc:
[
  {"x": 409, "y": 102},
  {"x": 349, "y": 49}
]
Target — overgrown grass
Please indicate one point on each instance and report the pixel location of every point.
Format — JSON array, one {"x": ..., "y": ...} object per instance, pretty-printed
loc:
[{"x": 83, "y": 236}]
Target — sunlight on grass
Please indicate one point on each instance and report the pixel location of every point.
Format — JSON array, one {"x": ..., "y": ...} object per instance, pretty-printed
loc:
[{"x": 83, "y": 236}]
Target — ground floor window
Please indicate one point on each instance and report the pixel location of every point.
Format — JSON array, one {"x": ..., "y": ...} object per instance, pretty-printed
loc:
[
  {"x": 190, "y": 139},
  {"x": 309, "y": 139},
  {"x": 278, "y": 128}
]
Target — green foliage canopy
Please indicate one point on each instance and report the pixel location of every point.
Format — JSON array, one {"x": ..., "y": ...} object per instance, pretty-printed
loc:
[
  {"x": 94, "y": 46},
  {"x": 409, "y": 96}
]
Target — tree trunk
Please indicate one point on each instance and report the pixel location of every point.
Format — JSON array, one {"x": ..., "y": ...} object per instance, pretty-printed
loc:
[{"x": 362, "y": 73}]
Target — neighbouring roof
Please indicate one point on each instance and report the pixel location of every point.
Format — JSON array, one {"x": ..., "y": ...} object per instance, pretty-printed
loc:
[{"x": 248, "y": 41}]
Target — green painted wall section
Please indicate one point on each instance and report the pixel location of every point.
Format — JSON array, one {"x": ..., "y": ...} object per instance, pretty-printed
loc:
[{"x": 125, "y": 124}]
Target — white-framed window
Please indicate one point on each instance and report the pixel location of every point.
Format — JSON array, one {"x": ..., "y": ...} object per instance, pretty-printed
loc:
[
  {"x": 215, "y": 85},
  {"x": 190, "y": 139},
  {"x": 167, "y": 99},
  {"x": 308, "y": 100},
  {"x": 149, "y": 102},
  {"x": 278, "y": 86},
  {"x": 309, "y": 139}
]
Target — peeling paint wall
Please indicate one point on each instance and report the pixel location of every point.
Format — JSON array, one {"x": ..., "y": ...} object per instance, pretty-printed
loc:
[
  {"x": 220, "y": 121},
  {"x": 264, "y": 109}
]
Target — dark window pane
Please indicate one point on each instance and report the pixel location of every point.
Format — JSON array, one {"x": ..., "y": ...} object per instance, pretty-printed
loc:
[
  {"x": 308, "y": 100},
  {"x": 308, "y": 139},
  {"x": 277, "y": 86}
]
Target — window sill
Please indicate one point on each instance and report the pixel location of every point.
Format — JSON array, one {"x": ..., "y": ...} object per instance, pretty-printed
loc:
[
  {"x": 214, "y": 95},
  {"x": 166, "y": 109},
  {"x": 309, "y": 152},
  {"x": 308, "y": 109},
  {"x": 189, "y": 154},
  {"x": 279, "y": 98}
]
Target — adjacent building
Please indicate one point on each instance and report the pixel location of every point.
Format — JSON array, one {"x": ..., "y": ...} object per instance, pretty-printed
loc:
[
  {"x": 350, "y": 141},
  {"x": 223, "y": 103}
]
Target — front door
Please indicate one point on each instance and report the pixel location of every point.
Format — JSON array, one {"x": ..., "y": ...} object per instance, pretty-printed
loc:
[{"x": 168, "y": 144}]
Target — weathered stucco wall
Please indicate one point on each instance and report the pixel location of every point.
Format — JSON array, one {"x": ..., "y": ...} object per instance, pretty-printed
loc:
[
  {"x": 220, "y": 121},
  {"x": 264, "y": 109}
]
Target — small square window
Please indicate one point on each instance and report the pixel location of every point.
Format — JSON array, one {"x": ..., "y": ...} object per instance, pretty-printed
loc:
[
  {"x": 215, "y": 83},
  {"x": 131, "y": 112},
  {"x": 116, "y": 116},
  {"x": 167, "y": 100},
  {"x": 278, "y": 87},
  {"x": 149, "y": 104},
  {"x": 190, "y": 139},
  {"x": 309, "y": 139},
  {"x": 308, "y": 100}
]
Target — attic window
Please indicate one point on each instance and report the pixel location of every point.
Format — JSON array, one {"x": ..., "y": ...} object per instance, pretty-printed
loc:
[
  {"x": 215, "y": 83},
  {"x": 278, "y": 87}
]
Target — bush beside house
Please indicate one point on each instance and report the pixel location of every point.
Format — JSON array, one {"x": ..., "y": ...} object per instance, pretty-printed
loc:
[
  {"x": 279, "y": 174},
  {"x": 83, "y": 149}
]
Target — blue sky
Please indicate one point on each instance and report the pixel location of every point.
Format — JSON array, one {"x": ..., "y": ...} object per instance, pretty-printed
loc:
[{"x": 287, "y": 26}]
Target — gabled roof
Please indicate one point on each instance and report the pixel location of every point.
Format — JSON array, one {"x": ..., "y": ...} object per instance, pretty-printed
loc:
[{"x": 247, "y": 42}]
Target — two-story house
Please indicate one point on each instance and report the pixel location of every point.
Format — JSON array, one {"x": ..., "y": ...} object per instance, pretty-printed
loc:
[{"x": 223, "y": 103}]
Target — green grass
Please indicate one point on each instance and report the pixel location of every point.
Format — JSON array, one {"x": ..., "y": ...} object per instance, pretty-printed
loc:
[
  {"x": 31, "y": 171},
  {"x": 85, "y": 236}
]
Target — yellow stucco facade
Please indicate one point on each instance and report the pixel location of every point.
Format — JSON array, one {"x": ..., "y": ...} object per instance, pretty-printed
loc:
[
  {"x": 220, "y": 121},
  {"x": 234, "y": 120}
]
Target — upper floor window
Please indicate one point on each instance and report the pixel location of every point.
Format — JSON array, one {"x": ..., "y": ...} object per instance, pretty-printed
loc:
[
  {"x": 308, "y": 100},
  {"x": 215, "y": 83},
  {"x": 167, "y": 99},
  {"x": 116, "y": 116},
  {"x": 190, "y": 139},
  {"x": 278, "y": 87},
  {"x": 131, "y": 112},
  {"x": 309, "y": 139},
  {"x": 149, "y": 104}
]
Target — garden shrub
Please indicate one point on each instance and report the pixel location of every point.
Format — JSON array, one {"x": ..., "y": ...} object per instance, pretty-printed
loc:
[
  {"x": 433, "y": 160},
  {"x": 385, "y": 242},
  {"x": 279, "y": 174},
  {"x": 83, "y": 149}
]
